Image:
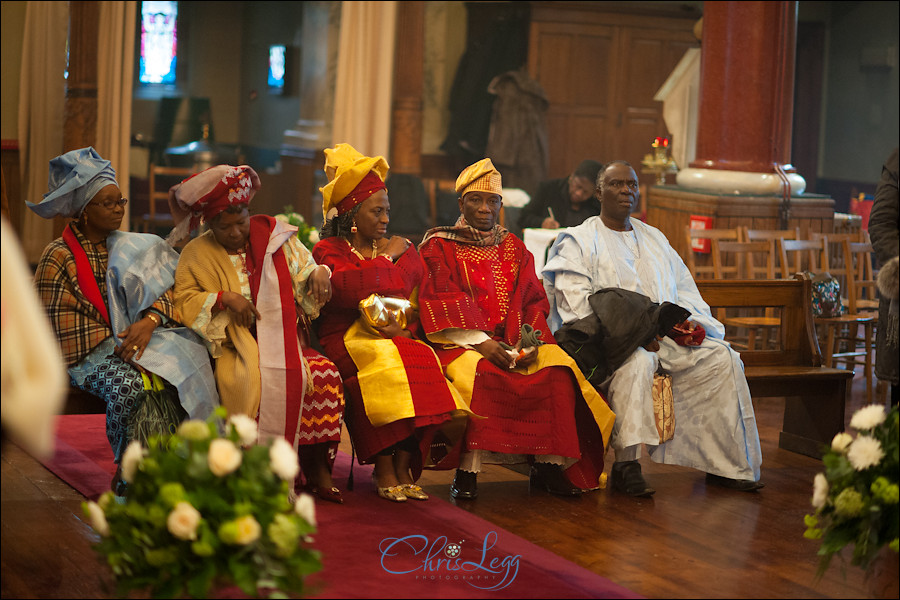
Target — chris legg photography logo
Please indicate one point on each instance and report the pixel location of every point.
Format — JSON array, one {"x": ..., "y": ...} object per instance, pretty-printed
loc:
[{"x": 444, "y": 560}]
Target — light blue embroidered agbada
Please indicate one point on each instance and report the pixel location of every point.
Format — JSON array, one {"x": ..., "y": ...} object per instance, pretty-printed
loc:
[
  {"x": 141, "y": 269},
  {"x": 715, "y": 427}
]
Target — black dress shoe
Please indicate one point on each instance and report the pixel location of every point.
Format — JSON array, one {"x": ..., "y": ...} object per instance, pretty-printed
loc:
[
  {"x": 551, "y": 478},
  {"x": 464, "y": 486},
  {"x": 627, "y": 479},
  {"x": 741, "y": 485}
]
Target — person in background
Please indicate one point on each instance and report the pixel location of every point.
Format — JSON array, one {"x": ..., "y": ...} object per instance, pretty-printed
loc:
[
  {"x": 883, "y": 230},
  {"x": 249, "y": 287},
  {"x": 564, "y": 202},
  {"x": 108, "y": 296},
  {"x": 715, "y": 426},
  {"x": 484, "y": 311},
  {"x": 404, "y": 415}
]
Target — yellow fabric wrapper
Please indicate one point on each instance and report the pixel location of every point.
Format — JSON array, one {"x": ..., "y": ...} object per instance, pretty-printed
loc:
[{"x": 383, "y": 378}]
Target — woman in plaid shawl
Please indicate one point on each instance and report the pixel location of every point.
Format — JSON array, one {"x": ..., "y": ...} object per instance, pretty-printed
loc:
[{"x": 108, "y": 296}]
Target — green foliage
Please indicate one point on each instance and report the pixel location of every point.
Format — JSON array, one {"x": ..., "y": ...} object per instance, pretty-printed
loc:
[
  {"x": 165, "y": 535},
  {"x": 856, "y": 498},
  {"x": 308, "y": 234}
]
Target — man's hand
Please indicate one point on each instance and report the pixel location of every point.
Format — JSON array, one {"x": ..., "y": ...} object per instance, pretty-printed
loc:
[
  {"x": 495, "y": 353},
  {"x": 550, "y": 223},
  {"x": 244, "y": 311},
  {"x": 526, "y": 359},
  {"x": 653, "y": 345}
]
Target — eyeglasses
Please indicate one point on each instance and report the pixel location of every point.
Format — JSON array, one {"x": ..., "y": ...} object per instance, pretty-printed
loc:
[{"x": 110, "y": 204}]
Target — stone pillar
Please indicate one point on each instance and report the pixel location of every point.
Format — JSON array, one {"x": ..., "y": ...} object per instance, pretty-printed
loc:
[
  {"x": 746, "y": 100},
  {"x": 409, "y": 73}
]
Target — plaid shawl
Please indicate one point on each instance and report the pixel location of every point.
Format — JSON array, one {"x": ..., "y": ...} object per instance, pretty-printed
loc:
[
  {"x": 78, "y": 324},
  {"x": 464, "y": 233}
]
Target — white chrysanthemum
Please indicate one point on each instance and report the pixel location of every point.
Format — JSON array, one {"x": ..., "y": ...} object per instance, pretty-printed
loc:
[
  {"x": 868, "y": 417},
  {"x": 98, "y": 519},
  {"x": 306, "y": 508},
  {"x": 224, "y": 457},
  {"x": 182, "y": 522},
  {"x": 283, "y": 218},
  {"x": 283, "y": 459},
  {"x": 841, "y": 441},
  {"x": 131, "y": 459},
  {"x": 314, "y": 236},
  {"x": 820, "y": 490},
  {"x": 245, "y": 427},
  {"x": 865, "y": 452}
]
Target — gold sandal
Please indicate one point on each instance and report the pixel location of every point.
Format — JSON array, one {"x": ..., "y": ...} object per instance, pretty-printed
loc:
[
  {"x": 393, "y": 493},
  {"x": 414, "y": 491}
]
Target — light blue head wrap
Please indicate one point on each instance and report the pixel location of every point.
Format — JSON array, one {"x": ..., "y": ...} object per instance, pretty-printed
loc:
[{"x": 75, "y": 178}]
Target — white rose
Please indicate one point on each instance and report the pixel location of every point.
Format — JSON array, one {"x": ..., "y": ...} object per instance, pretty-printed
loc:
[
  {"x": 131, "y": 460},
  {"x": 306, "y": 508},
  {"x": 283, "y": 218},
  {"x": 224, "y": 457},
  {"x": 283, "y": 459},
  {"x": 841, "y": 441},
  {"x": 820, "y": 490},
  {"x": 865, "y": 452},
  {"x": 183, "y": 521},
  {"x": 868, "y": 417},
  {"x": 98, "y": 519},
  {"x": 314, "y": 236},
  {"x": 245, "y": 427}
]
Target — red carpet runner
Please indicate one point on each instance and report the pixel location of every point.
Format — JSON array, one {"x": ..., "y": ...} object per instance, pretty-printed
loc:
[{"x": 372, "y": 548}]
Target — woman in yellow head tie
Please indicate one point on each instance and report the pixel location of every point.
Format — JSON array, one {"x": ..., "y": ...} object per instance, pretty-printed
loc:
[{"x": 401, "y": 407}]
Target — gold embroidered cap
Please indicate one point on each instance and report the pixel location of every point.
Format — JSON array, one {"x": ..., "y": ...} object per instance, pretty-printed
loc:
[{"x": 482, "y": 176}]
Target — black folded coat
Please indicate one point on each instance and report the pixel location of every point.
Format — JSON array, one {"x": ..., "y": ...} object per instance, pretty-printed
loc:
[{"x": 622, "y": 321}]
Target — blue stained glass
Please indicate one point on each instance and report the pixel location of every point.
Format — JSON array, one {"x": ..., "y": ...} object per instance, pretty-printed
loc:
[{"x": 159, "y": 42}]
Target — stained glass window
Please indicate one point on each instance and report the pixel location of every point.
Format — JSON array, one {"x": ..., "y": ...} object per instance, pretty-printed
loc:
[{"x": 159, "y": 41}]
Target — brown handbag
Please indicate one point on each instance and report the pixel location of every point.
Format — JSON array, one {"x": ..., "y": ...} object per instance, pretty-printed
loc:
[{"x": 663, "y": 406}]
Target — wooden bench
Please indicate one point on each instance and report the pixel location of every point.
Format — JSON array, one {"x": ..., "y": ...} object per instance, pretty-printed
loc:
[{"x": 815, "y": 395}]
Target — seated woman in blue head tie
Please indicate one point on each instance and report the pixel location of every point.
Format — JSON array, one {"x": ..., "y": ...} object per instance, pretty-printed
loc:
[{"x": 108, "y": 296}]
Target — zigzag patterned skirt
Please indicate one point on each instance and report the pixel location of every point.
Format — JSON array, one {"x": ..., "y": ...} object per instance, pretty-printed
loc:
[{"x": 323, "y": 410}]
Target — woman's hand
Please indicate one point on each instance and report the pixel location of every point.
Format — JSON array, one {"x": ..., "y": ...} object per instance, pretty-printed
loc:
[
  {"x": 396, "y": 247},
  {"x": 244, "y": 311},
  {"x": 135, "y": 338},
  {"x": 495, "y": 353},
  {"x": 392, "y": 329},
  {"x": 319, "y": 284}
]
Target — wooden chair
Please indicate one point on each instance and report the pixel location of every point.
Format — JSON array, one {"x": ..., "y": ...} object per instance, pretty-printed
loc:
[
  {"x": 703, "y": 269},
  {"x": 160, "y": 179},
  {"x": 772, "y": 236},
  {"x": 751, "y": 260},
  {"x": 842, "y": 340}
]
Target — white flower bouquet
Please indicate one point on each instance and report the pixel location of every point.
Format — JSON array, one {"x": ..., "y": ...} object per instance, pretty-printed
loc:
[
  {"x": 308, "y": 234},
  {"x": 856, "y": 498},
  {"x": 203, "y": 511}
]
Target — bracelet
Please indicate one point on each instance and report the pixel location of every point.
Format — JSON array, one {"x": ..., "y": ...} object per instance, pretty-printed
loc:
[
  {"x": 327, "y": 268},
  {"x": 154, "y": 318}
]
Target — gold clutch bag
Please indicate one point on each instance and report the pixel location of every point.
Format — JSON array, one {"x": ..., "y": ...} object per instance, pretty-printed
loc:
[{"x": 375, "y": 310}]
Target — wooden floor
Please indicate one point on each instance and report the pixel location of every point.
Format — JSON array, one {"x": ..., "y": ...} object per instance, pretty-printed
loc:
[{"x": 688, "y": 541}]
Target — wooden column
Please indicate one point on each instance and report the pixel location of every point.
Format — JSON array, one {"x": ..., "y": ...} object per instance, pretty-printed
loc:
[
  {"x": 747, "y": 89},
  {"x": 409, "y": 74},
  {"x": 80, "y": 121}
]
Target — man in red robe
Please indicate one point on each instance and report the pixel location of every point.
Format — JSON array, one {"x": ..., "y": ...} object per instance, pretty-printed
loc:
[{"x": 484, "y": 310}]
